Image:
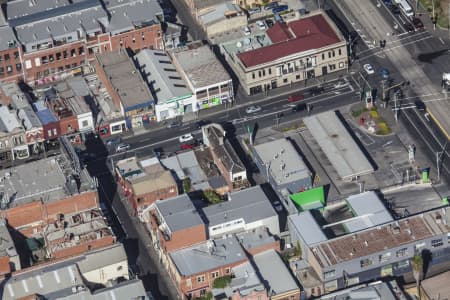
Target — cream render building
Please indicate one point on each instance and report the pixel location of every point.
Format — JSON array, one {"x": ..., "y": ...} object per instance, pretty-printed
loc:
[{"x": 300, "y": 49}]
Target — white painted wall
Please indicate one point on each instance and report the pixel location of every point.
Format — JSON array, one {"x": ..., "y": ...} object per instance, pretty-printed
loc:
[{"x": 110, "y": 272}]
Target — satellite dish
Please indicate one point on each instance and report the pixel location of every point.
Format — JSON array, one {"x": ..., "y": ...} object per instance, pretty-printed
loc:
[{"x": 239, "y": 44}]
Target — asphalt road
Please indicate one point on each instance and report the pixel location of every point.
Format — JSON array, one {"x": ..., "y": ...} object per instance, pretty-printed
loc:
[{"x": 407, "y": 56}]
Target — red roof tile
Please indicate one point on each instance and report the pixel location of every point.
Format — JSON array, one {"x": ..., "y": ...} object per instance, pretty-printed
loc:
[
  {"x": 310, "y": 33},
  {"x": 5, "y": 268},
  {"x": 279, "y": 33}
]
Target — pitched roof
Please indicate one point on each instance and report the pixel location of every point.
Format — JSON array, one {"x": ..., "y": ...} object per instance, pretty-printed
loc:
[
  {"x": 279, "y": 32},
  {"x": 310, "y": 33},
  {"x": 178, "y": 213}
]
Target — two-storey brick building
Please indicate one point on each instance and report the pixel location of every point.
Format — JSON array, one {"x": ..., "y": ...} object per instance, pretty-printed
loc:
[{"x": 47, "y": 41}]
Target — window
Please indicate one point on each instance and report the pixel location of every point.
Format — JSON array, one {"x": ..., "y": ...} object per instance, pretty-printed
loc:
[
  {"x": 264, "y": 72},
  {"x": 332, "y": 67},
  {"x": 333, "y": 53},
  {"x": 85, "y": 123},
  {"x": 50, "y": 58},
  {"x": 270, "y": 71},
  {"x": 253, "y": 75},
  {"x": 54, "y": 131},
  {"x": 9, "y": 69},
  {"x": 2, "y": 71},
  {"x": 18, "y": 67},
  {"x": 44, "y": 60},
  {"x": 420, "y": 246},
  {"x": 402, "y": 252},
  {"x": 1, "y": 58},
  {"x": 201, "y": 278},
  {"x": 58, "y": 56},
  {"x": 49, "y": 132},
  {"x": 385, "y": 257},
  {"x": 227, "y": 271},
  {"x": 80, "y": 51},
  {"x": 365, "y": 263},
  {"x": 65, "y": 53},
  {"x": 72, "y": 53},
  {"x": 7, "y": 57},
  {"x": 340, "y": 52},
  {"x": 436, "y": 243},
  {"x": 329, "y": 274},
  {"x": 402, "y": 264},
  {"x": 329, "y": 54},
  {"x": 297, "y": 77},
  {"x": 119, "y": 268},
  {"x": 323, "y": 56},
  {"x": 16, "y": 55},
  {"x": 259, "y": 73},
  {"x": 215, "y": 274},
  {"x": 285, "y": 80},
  {"x": 341, "y": 65}
]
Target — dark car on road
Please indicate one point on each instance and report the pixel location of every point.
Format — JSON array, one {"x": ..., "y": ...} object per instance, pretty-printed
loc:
[
  {"x": 394, "y": 9},
  {"x": 316, "y": 90},
  {"x": 200, "y": 123},
  {"x": 420, "y": 105},
  {"x": 174, "y": 124},
  {"x": 299, "y": 107},
  {"x": 418, "y": 25}
]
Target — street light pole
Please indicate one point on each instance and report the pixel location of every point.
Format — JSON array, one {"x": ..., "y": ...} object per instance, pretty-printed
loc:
[{"x": 395, "y": 108}]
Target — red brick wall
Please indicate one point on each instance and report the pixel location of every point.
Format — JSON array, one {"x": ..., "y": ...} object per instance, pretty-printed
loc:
[
  {"x": 105, "y": 80},
  {"x": 36, "y": 211},
  {"x": 141, "y": 38},
  {"x": 51, "y": 127},
  {"x": 275, "y": 246},
  {"x": 37, "y": 72},
  {"x": 184, "y": 238},
  {"x": 12, "y": 62},
  {"x": 74, "y": 204},
  {"x": 150, "y": 198},
  {"x": 144, "y": 38},
  {"x": 24, "y": 214},
  {"x": 207, "y": 284},
  {"x": 66, "y": 122},
  {"x": 83, "y": 248}
]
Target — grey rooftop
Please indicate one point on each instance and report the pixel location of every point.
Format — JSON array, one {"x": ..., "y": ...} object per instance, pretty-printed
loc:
[
  {"x": 125, "y": 79},
  {"x": 201, "y": 66},
  {"x": 249, "y": 204},
  {"x": 178, "y": 213},
  {"x": 161, "y": 75},
  {"x": 276, "y": 276},
  {"x": 48, "y": 179},
  {"x": 209, "y": 255},
  {"x": 284, "y": 162},
  {"x": 339, "y": 146}
]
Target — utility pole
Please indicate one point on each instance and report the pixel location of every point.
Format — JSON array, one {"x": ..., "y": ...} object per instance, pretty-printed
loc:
[
  {"x": 434, "y": 16},
  {"x": 439, "y": 155},
  {"x": 395, "y": 108}
]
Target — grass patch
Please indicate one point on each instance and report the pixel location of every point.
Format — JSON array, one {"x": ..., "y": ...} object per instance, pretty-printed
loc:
[
  {"x": 374, "y": 114},
  {"x": 440, "y": 9},
  {"x": 383, "y": 128},
  {"x": 356, "y": 113}
]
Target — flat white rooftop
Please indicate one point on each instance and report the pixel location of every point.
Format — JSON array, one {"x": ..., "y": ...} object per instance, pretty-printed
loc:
[{"x": 338, "y": 145}]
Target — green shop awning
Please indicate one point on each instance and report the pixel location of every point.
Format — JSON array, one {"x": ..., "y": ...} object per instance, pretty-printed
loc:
[{"x": 309, "y": 199}]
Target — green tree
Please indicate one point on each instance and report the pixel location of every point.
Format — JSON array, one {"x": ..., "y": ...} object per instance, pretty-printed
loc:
[
  {"x": 221, "y": 282},
  {"x": 186, "y": 185},
  {"x": 417, "y": 267},
  {"x": 298, "y": 249},
  {"x": 212, "y": 197}
]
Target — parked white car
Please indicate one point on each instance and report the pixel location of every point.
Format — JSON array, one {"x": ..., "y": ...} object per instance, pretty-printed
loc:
[
  {"x": 246, "y": 30},
  {"x": 186, "y": 138},
  {"x": 261, "y": 25},
  {"x": 369, "y": 69}
]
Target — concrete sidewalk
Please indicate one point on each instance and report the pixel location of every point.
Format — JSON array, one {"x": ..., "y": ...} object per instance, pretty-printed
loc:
[{"x": 425, "y": 17}]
